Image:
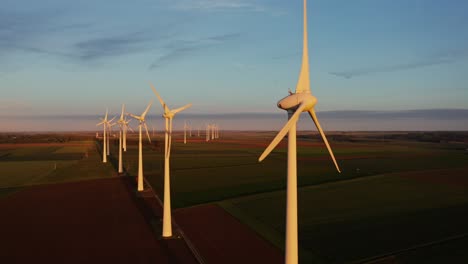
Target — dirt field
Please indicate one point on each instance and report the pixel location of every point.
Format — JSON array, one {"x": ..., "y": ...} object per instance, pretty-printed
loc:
[
  {"x": 83, "y": 222},
  {"x": 221, "y": 238}
]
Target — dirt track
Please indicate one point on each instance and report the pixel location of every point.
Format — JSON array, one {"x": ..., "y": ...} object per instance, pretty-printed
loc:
[
  {"x": 221, "y": 238},
  {"x": 82, "y": 222}
]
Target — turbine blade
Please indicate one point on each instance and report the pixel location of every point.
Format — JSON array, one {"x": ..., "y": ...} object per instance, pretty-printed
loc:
[
  {"x": 134, "y": 116},
  {"x": 303, "y": 84},
  {"x": 317, "y": 124},
  {"x": 282, "y": 132},
  {"x": 175, "y": 111},
  {"x": 112, "y": 119},
  {"x": 105, "y": 118},
  {"x": 147, "y": 133},
  {"x": 146, "y": 110},
  {"x": 166, "y": 109},
  {"x": 98, "y": 124},
  {"x": 123, "y": 110}
]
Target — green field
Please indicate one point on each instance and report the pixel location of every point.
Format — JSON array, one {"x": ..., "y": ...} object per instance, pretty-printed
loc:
[{"x": 30, "y": 164}]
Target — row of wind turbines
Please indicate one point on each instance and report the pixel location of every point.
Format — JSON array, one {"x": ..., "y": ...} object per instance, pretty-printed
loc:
[
  {"x": 212, "y": 132},
  {"x": 295, "y": 103},
  {"x": 123, "y": 123}
]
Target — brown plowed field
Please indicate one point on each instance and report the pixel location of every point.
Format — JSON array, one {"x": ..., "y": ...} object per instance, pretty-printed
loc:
[
  {"x": 221, "y": 238},
  {"x": 82, "y": 222}
]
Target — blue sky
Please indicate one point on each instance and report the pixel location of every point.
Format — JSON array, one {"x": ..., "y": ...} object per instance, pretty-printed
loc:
[{"x": 230, "y": 56}]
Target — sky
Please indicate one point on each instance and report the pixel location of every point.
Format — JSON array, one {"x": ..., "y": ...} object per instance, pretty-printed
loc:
[{"x": 230, "y": 56}]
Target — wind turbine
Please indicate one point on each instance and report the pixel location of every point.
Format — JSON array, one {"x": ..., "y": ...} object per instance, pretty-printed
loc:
[
  {"x": 141, "y": 118},
  {"x": 296, "y": 103},
  {"x": 122, "y": 123},
  {"x": 110, "y": 125},
  {"x": 213, "y": 127},
  {"x": 104, "y": 141},
  {"x": 168, "y": 116},
  {"x": 126, "y": 127},
  {"x": 208, "y": 128}
]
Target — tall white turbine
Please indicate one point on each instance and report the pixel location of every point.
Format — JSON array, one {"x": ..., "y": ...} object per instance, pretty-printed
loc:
[
  {"x": 141, "y": 119},
  {"x": 296, "y": 103},
  {"x": 168, "y": 116},
  {"x": 122, "y": 124},
  {"x": 126, "y": 127},
  {"x": 208, "y": 132},
  {"x": 213, "y": 126},
  {"x": 104, "y": 140}
]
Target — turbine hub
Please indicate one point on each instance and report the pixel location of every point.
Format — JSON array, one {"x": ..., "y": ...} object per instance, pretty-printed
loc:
[{"x": 292, "y": 102}]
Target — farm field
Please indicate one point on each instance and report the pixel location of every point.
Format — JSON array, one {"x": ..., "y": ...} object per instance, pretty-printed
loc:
[
  {"x": 402, "y": 196},
  {"x": 27, "y": 164},
  {"x": 205, "y": 172},
  {"x": 408, "y": 192}
]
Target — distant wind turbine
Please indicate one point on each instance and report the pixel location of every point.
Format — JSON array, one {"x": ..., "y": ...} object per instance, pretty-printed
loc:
[
  {"x": 142, "y": 121},
  {"x": 208, "y": 128},
  {"x": 126, "y": 127},
  {"x": 168, "y": 116},
  {"x": 122, "y": 124},
  {"x": 296, "y": 103},
  {"x": 104, "y": 140}
]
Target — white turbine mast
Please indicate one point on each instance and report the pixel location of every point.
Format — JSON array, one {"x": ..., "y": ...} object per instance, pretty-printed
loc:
[
  {"x": 104, "y": 139},
  {"x": 122, "y": 123},
  {"x": 296, "y": 103},
  {"x": 109, "y": 131},
  {"x": 142, "y": 121},
  {"x": 168, "y": 116}
]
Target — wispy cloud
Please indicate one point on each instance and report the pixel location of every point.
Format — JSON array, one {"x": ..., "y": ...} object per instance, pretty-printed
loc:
[
  {"x": 436, "y": 59},
  {"x": 182, "y": 48},
  {"x": 107, "y": 46}
]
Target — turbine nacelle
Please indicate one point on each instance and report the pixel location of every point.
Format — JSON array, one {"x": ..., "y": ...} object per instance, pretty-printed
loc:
[
  {"x": 293, "y": 101},
  {"x": 169, "y": 115}
]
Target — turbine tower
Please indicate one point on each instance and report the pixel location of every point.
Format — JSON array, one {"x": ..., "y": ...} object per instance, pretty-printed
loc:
[
  {"x": 213, "y": 127},
  {"x": 141, "y": 118},
  {"x": 109, "y": 130},
  {"x": 126, "y": 127},
  {"x": 168, "y": 116},
  {"x": 296, "y": 103},
  {"x": 104, "y": 141},
  {"x": 122, "y": 125}
]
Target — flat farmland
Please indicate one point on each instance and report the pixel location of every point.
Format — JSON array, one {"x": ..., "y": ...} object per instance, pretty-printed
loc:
[
  {"x": 356, "y": 219},
  {"x": 30, "y": 164},
  {"x": 392, "y": 195},
  {"x": 203, "y": 172},
  {"x": 396, "y": 198}
]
